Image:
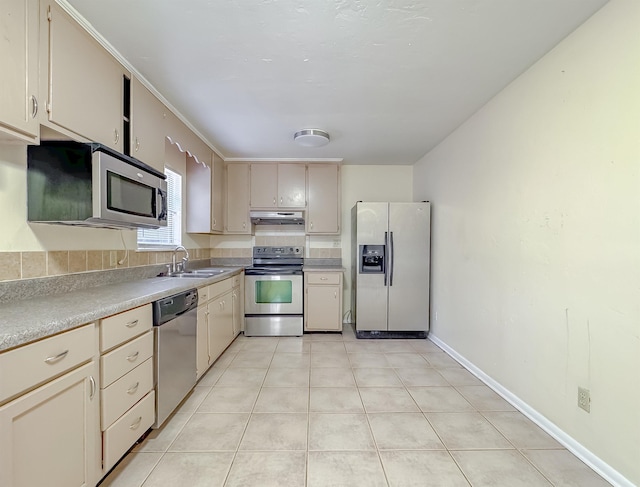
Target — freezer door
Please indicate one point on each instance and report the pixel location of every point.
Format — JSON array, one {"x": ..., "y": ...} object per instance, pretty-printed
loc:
[
  {"x": 409, "y": 244},
  {"x": 370, "y": 289}
]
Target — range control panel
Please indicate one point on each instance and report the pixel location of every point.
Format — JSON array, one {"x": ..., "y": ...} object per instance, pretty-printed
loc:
[{"x": 278, "y": 251}]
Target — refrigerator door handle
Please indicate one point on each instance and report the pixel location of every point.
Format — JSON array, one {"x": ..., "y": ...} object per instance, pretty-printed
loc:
[
  {"x": 384, "y": 261},
  {"x": 391, "y": 258}
]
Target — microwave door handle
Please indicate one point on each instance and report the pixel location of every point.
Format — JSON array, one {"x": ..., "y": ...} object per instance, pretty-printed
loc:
[
  {"x": 162, "y": 215},
  {"x": 384, "y": 258}
]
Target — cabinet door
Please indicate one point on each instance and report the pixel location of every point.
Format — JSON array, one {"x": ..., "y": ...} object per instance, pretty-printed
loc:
[
  {"x": 220, "y": 324},
  {"x": 264, "y": 185},
  {"x": 323, "y": 212},
  {"x": 291, "y": 185},
  {"x": 18, "y": 78},
  {"x": 237, "y": 199},
  {"x": 217, "y": 197},
  {"x": 323, "y": 308},
  {"x": 202, "y": 336},
  {"x": 85, "y": 82},
  {"x": 198, "y": 197},
  {"x": 237, "y": 311},
  {"x": 50, "y": 436},
  {"x": 147, "y": 126}
]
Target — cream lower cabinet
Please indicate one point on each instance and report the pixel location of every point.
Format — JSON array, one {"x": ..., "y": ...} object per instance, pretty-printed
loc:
[
  {"x": 50, "y": 435},
  {"x": 215, "y": 326},
  {"x": 127, "y": 399},
  {"x": 238, "y": 304},
  {"x": 323, "y": 301}
]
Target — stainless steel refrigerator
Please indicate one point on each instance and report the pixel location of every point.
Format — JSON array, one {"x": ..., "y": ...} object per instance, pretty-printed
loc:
[{"x": 390, "y": 268}]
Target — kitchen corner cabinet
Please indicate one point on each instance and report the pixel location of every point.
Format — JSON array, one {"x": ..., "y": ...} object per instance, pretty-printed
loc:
[
  {"x": 238, "y": 304},
  {"x": 323, "y": 301},
  {"x": 19, "y": 77},
  {"x": 237, "y": 199},
  {"x": 147, "y": 126},
  {"x": 85, "y": 82},
  {"x": 323, "y": 211},
  {"x": 278, "y": 186},
  {"x": 50, "y": 435}
]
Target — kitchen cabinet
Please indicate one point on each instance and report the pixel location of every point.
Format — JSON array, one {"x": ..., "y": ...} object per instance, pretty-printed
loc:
[
  {"x": 278, "y": 186},
  {"x": 19, "y": 78},
  {"x": 204, "y": 196},
  {"x": 147, "y": 126},
  {"x": 323, "y": 211},
  {"x": 238, "y": 304},
  {"x": 237, "y": 199},
  {"x": 50, "y": 435},
  {"x": 85, "y": 82},
  {"x": 127, "y": 399},
  {"x": 323, "y": 301},
  {"x": 215, "y": 323}
]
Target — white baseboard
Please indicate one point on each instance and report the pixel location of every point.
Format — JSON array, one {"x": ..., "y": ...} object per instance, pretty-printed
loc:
[{"x": 605, "y": 470}]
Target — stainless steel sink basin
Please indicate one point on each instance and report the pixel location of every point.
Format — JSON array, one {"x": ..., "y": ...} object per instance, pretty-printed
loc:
[{"x": 201, "y": 273}]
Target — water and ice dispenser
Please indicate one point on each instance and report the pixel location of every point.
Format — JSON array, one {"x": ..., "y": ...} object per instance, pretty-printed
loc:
[{"x": 372, "y": 259}]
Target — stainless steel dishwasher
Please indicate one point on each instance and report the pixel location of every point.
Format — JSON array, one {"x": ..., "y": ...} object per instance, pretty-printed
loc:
[{"x": 174, "y": 321}]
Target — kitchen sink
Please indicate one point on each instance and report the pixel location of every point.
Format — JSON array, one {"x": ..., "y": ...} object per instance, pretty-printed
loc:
[{"x": 201, "y": 273}]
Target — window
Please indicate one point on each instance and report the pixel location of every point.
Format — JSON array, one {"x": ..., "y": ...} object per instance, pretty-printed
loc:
[{"x": 171, "y": 235}]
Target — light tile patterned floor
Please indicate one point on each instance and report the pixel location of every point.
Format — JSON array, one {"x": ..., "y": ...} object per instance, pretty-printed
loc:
[{"x": 330, "y": 410}]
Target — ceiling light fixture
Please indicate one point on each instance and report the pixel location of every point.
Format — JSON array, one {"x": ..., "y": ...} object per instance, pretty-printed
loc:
[{"x": 311, "y": 137}]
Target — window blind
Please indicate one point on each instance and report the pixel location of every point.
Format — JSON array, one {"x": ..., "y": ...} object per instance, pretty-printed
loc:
[{"x": 171, "y": 235}]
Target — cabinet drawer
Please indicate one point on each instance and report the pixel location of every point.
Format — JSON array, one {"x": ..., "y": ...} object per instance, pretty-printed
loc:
[
  {"x": 119, "y": 328},
  {"x": 220, "y": 288},
  {"x": 121, "y": 360},
  {"x": 236, "y": 280},
  {"x": 31, "y": 365},
  {"x": 323, "y": 278},
  {"x": 120, "y": 436},
  {"x": 203, "y": 294},
  {"x": 125, "y": 392}
]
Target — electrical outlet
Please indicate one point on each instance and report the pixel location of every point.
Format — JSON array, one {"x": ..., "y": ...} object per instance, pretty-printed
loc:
[{"x": 584, "y": 399}]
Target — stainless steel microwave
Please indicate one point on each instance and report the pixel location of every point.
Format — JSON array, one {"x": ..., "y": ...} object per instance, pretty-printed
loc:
[{"x": 74, "y": 183}]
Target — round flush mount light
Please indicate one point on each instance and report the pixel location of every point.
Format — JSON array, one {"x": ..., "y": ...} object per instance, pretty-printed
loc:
[{"x": 311, "y": 137}]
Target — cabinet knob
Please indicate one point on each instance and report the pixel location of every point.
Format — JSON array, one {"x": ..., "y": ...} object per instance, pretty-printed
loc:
[
  {"x": 137, "y": 144},
  {"x": 136, "y": 423},
  {"x": 280, "y": 199},
  {"x": 310, "y": 225},
  {"x": 116, "y": 136},
  {"x": 133, "y": 388},
  {"x": 274, "y": 201},
  {"x": 335, "y": 294},
  {"x": 34, "y": 106},
  {"x": 323, "y": 278}
]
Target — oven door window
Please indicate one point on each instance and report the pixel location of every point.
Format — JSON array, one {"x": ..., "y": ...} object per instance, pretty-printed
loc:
[
  {"x": 125, "y": 195},
  {"x": 274, "y": 292}
]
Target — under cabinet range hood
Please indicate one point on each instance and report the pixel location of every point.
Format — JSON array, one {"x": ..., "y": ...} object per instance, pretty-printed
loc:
[{"x": 277, "y": 218}]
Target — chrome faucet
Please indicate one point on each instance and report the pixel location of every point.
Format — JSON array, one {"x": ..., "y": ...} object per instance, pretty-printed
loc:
[{"x": 182, "y": 266}]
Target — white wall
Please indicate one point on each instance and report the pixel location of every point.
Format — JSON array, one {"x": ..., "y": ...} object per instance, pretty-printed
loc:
[
  {"x": 368, "y": 183},
  {"x": 536, "y": 236}
]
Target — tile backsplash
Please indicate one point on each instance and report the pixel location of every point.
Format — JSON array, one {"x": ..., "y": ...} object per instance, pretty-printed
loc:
[{"x": 28, "y": 265}]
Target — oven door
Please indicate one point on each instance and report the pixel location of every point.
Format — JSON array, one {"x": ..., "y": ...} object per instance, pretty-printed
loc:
[{"x": 273, "y": 295}]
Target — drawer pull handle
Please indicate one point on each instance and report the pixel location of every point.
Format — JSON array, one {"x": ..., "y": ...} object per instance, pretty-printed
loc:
[
  {"x": 323, "y": 278},
  {"x": 131, "y": 324},
  {"x": 60, "y": 356},
  {"x": 136, "y": 423},
  {"x": 133, "y": 388},
  {"x": 92, "y": 381},
  {"x": 133, "y": 357}
]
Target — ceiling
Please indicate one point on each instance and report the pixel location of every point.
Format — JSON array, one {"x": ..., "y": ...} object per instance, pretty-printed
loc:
[{"x": 388, "y": 79}]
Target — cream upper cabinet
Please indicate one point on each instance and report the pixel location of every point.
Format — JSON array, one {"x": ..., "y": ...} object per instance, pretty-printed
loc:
[
  {"x": 323, "y": 301},
  {"x": 278, "y": 185},
  {"x": 323, "y": 211},
  {"x": 85, "y": 82},
  {"x": 147, "y": 126},
  {"x": 291, "y": 186},
  {"x": 19, "y": 76},
  {"x": 237, "y": 199},
  {"x": 264, "y": 185},
  {"x": 217, "y": 198}
]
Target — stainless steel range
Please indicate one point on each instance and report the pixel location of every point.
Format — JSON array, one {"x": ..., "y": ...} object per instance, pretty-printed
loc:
[{"x": 273, "y": 292}]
